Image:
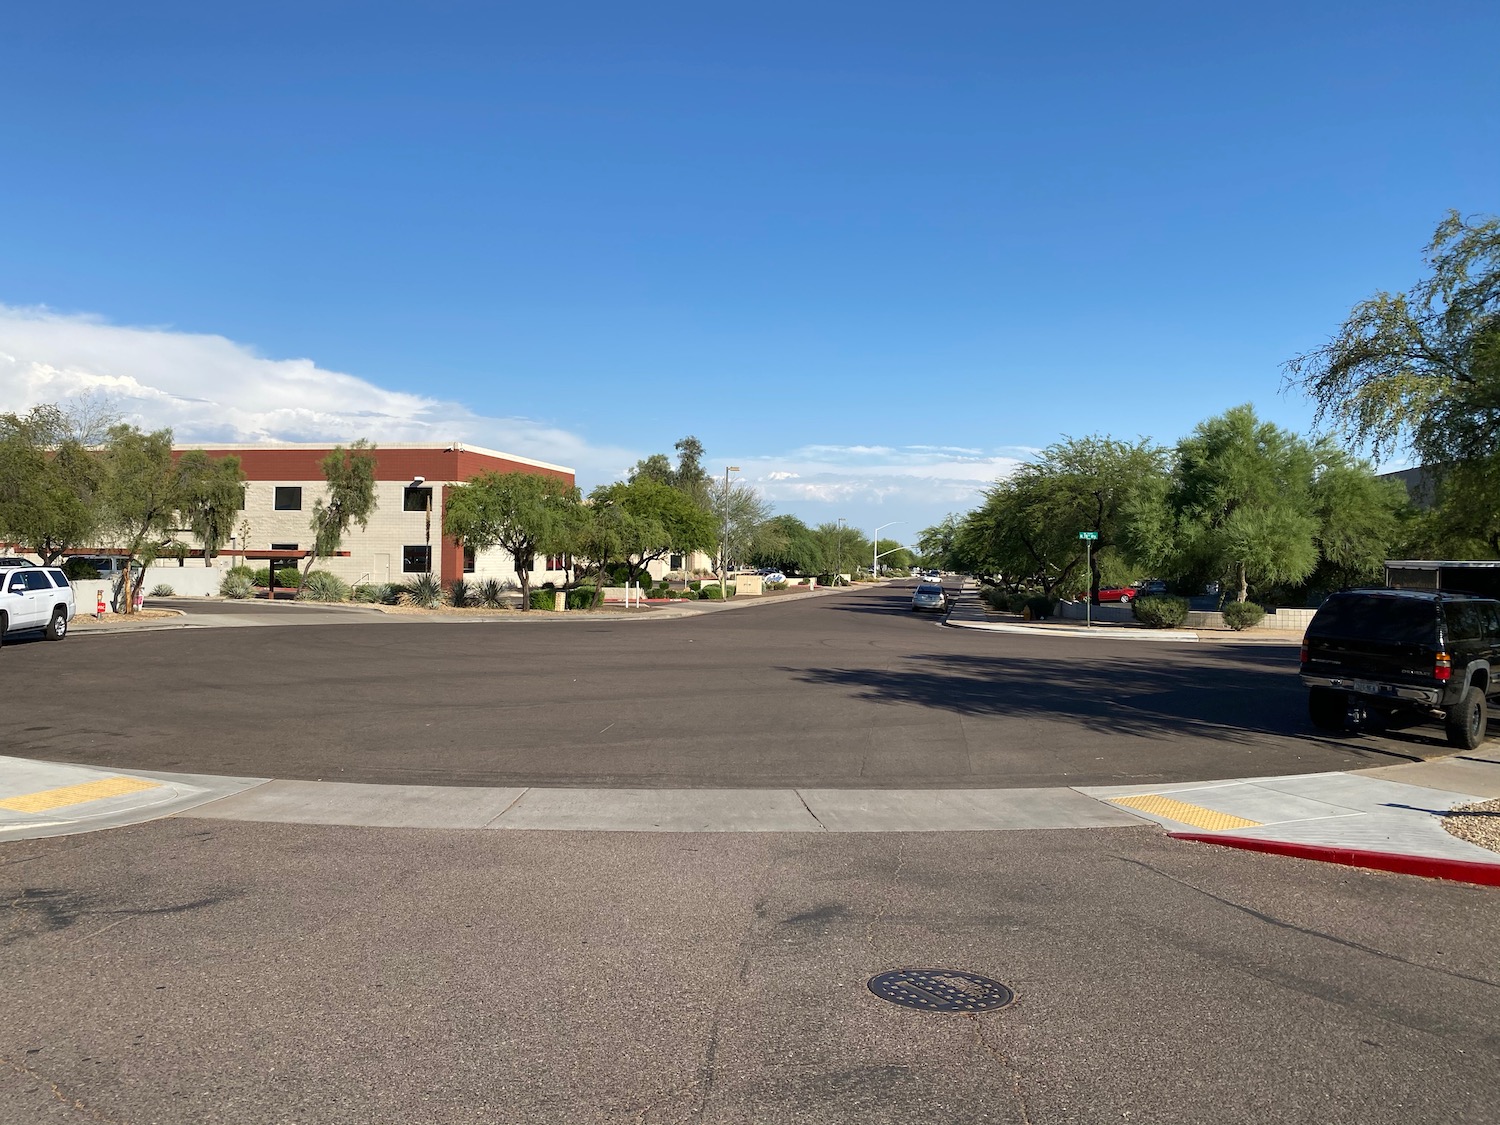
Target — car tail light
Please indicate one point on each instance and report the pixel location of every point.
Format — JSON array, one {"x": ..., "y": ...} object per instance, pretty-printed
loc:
[
  {"x": 1443, "y": 666},
  {"x": 1303, "y": 657}
]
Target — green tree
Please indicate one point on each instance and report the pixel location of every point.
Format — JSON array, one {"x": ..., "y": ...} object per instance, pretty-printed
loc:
[
  {"x": 1422, "y": 368},
  {"x": 1241, "y": 502},
  {"x": 661, "y": 519},
  {"x": 49, "y": 483},
  {"x": 350, "y": 476},
  {"x": 214, "y": 496},
  {"x": 937, "y": 544},
  {"x": 741, "y": 521},
  {"x": 1359, "y": 515},
  {"x": 789, "y": 546},
  {"x": 522, "y": 513},
  {"x": 142, "y": 488}
]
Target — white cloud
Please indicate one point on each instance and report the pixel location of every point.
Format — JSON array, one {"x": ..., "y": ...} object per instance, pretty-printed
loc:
[{"x": 209, "y": 388}]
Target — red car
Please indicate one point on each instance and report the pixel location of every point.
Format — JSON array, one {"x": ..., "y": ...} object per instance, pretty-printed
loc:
[{"x": 1122, "y": 594}]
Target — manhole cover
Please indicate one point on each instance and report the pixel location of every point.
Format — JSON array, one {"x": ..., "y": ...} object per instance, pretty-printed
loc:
[{"x": 941, "y": 990}]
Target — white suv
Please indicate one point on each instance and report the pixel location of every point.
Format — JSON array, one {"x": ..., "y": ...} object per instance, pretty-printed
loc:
[{"x": 35, "y": 597}]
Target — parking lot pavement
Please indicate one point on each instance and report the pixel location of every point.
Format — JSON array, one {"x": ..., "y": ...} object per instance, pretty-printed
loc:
[{"x": 201, "y": 971}]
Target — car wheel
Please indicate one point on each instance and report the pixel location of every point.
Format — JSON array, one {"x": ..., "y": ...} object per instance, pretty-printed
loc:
[
  {"x": 1467, "y": 721},
  {"x": 57, "y": 628},
  {"x": 1326, "y": 707},
  {"x": 1124, "y": 599}
]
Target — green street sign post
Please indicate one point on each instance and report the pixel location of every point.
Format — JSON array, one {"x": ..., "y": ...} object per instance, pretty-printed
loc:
[{"x": 1088, "y": 538}]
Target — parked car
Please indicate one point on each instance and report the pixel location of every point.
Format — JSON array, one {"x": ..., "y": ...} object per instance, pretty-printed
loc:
[
  {"x": 1382, "y": 653},
  {"x": 1154, "y": 588},
  {"x": 35, "y": 597},
  {"x": 1122, "y": 594},
  {"x": 930, "y": 597}
]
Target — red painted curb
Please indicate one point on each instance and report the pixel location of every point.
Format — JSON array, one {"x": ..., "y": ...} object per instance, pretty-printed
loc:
[{"x": 1428, "y": 867}]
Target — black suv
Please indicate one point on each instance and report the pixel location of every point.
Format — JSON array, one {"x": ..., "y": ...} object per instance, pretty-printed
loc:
[{"x": 1383, "y": 652}]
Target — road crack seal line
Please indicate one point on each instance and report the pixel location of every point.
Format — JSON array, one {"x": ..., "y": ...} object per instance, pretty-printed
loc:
[
  {"x": 890, "y": 897},
  {"x": 1293, "y": 927},
  {"x": 997, "y": 1052},
  {"x": 57, "y": 1092}
]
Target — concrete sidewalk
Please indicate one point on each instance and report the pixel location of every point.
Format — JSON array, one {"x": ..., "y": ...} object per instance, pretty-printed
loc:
[{"x": 1389, "y": 818}]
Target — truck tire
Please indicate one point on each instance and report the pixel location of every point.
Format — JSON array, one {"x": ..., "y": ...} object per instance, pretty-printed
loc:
[
  {"x": 1326, "y": 708},
  {"x": 57, "y": 628},
  {"x": 1466, "y": 721}
]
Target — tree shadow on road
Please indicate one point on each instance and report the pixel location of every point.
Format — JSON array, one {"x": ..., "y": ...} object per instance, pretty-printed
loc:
[{"x": 1243, "y": 699}]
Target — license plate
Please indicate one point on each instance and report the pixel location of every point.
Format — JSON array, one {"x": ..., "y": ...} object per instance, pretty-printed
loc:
[{"x": 1366, "y": 687}]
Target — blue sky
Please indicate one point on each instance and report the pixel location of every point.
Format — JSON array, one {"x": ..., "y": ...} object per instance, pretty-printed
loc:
[{"x": 871, "y": 253}]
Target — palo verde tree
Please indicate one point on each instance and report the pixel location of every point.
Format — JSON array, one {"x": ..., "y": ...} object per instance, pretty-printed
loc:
[
  {"x": 741, "y": 518},
  {"x": 350, "y": 476},
  {"x": 213, "y": 497},
  {"x": 1422, "y": 369},
  {"x": 522, "y": 513},
  {"x": 142, "y": 489}
]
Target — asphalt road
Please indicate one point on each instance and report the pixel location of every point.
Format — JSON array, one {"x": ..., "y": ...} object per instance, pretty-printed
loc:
[
  {"x": 188, "y": 971},
  {"x": 850, "y": 689}
]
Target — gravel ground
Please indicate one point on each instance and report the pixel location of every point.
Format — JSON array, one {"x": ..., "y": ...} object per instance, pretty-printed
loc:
[{"x": 1478, "y": 823}]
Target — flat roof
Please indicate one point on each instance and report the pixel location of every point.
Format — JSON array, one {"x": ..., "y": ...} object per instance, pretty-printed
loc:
[
  {"x": 1428, "y": 564},
  {"x": 449, "y": 447}
]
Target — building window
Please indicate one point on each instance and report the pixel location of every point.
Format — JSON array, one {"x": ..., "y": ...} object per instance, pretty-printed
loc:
[
  {"x": 675, "y": 563},
  {"x": 416, "y": 560},
  {"x": 288, "y": 498},
  {"x": 468, "y": 560},
  {"x": 557, "y": 562},
  {"x": 417, "y": 499}
]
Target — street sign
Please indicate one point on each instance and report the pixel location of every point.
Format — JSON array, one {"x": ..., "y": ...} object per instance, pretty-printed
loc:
[{"x": 1088, "y": 535}]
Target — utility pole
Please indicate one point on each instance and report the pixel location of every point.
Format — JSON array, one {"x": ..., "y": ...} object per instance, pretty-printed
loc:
[{"x": 724, "y": 535}]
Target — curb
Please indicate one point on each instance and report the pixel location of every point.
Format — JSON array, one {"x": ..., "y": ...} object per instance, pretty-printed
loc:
[{"x": 1427, "y": 867}]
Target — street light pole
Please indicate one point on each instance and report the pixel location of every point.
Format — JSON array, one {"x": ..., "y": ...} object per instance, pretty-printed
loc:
[
  {"x": 840, "y": 569},
  {"x": 724, "y": 535},
  {"x": 875, "y": 545}
]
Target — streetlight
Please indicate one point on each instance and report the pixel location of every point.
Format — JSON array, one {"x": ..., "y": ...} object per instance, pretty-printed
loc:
[
  {"x": 724, "y": 537},
  {"x": 840, "y": 569},
  {"x": 875, "y": 545}
]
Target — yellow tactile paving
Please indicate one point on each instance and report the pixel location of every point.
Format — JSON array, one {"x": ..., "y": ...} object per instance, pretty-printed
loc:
[
  {"x": 77, "y": 794},
  {"x": 1184, "y": 813}
]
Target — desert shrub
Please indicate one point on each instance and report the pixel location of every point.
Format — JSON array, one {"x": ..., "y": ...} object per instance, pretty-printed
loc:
[
  {"x": 321, "y": 586},
  {"x": 290, "y": 577},
  {"x": 491, "y": 594},
  {"x": 242, "y": 569},
  {"x": 366, "y": 592},
  {"x": 776, "y": 585},
  {"x": 711, "y": 593},
  {"x": 544, "y": 599},
  {"x": 424, "y": 591},
  {"x": 688, "y": 595},
  {"x": 581, "y": 598},
  {"x": 1243, "y": 615},
  {"x": 80, "y": 571},
  {"x": 1038, "y": 606},
  {"x": 162, "y": 590},
  {"x": 236, "y": 586},
  {"x": 1160, "y": 611},
  {"x": 995, "y": 598},
  {"x": 461, "y": 593},
  {"x": 261, "y": 576}
]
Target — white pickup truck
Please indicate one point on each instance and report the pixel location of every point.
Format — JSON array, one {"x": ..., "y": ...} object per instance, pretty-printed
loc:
[{"x": 35, "y": 597}]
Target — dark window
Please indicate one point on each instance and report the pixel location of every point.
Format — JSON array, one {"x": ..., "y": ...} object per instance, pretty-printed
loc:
[
  {"x": 676, "y": 563},
  {"x": 1394, "y": 620},
  {"x": 416, "y": 560},
  {"x": 288, "y": 498},
  {"x": 468, "y": 560},
  {"x": 557, "y": 562},
  {"x": 59, "y": 579},
  {"x": 1465, "y": 621},
  {"x": 18, "y": 584},
  {"x": 417, "y": 499}
]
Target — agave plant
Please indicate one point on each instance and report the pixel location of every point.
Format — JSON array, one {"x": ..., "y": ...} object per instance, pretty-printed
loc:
[
  {"x": 491, "y": 593},
  {"x": 461, "y": 594},
  {"x": 423, "y": 591}
]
